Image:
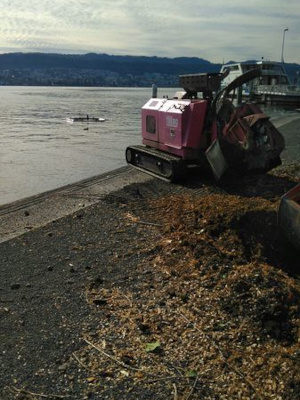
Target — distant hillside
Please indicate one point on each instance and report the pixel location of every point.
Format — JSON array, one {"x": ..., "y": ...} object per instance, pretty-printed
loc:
[
  {"x": 101, "y": 69},
  {"x": 120, "y": 64}
]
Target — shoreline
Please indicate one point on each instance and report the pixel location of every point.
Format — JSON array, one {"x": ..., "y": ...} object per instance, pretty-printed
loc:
[
  {"x": 23, "y": 215},
  {"x": 35, "y": 211}
]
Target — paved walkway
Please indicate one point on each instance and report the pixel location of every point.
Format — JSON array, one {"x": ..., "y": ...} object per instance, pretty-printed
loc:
[{"x": 35, "y": 211}]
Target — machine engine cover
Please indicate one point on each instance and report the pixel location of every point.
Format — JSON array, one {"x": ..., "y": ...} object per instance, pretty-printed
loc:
[{"x": 175, "y": 126}]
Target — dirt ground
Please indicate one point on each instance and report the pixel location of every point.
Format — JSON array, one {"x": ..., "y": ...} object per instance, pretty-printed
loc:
[{"x": 159, "y": 291}]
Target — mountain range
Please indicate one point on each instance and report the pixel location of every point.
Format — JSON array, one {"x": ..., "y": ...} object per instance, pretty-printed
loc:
[{"x": 102, "y": 69}]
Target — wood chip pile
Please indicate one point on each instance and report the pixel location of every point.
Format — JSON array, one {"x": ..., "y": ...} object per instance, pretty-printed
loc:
[{"x": 214, "y": 313}]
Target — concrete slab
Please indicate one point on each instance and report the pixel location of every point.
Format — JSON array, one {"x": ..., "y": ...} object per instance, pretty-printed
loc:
[{"x": 24, "y": 215}]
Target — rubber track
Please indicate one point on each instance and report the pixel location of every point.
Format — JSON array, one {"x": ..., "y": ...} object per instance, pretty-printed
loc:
[{"x": 174, "y": 161}]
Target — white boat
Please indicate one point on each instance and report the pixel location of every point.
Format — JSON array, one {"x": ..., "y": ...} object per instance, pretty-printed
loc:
[
  {"x": 70, "y": 120},
  {"x": 272, "y": 87}
]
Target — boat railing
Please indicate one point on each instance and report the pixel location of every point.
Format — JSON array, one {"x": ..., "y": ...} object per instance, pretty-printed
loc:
[{"x": 283, "y": 89}]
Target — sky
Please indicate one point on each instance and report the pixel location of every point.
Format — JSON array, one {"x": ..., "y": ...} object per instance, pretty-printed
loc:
[{"x": 216, "y": 30}]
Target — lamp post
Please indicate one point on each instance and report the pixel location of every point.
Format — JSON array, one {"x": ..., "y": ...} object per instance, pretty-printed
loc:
[{"x": 285, "y": 30}]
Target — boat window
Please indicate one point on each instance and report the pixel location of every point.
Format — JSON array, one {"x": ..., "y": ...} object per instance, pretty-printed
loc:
[{"x": 150, "y": 124}]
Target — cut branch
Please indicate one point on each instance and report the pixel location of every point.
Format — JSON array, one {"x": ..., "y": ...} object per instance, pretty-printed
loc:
[
  {"x": 33, "y": 395},
  {"x": 111, "y": 357}
]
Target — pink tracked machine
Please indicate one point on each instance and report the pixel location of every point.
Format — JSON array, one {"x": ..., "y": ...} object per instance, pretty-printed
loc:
[{"x": 200, "y": 126}]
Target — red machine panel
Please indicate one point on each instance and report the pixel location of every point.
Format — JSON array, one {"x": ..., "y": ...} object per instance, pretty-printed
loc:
[{"x": 175, "y": 126}]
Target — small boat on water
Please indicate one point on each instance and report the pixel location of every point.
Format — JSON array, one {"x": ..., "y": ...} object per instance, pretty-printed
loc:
[
  {"x": 87, "y": 118},
  {"x": 272, "y": 87},
  {"x": 289, "y": 216}
]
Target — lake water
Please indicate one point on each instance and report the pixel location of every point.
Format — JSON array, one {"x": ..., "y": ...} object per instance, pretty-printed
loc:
[{"x": 40, "y": 151}]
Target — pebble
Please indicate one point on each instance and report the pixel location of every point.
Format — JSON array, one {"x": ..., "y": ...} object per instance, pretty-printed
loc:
[
  {"x": 73, "y": 269},
  {"x": 15, "y": 286}
]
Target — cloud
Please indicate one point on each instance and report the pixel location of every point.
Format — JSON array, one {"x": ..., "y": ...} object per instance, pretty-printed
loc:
[{"x": 214, "y": 29}]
